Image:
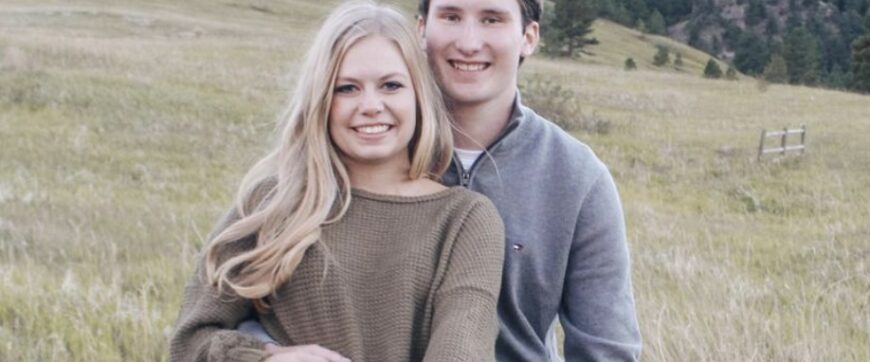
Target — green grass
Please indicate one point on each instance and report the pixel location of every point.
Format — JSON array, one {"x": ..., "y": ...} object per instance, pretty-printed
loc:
[{"x": 126, "y": 126}]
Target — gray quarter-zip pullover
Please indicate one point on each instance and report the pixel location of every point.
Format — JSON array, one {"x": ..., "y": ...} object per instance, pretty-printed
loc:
[{"x": 566, "y": 251}]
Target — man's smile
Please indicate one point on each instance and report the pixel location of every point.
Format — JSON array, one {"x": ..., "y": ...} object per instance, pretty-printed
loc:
[{"x": 468, "y": 66}]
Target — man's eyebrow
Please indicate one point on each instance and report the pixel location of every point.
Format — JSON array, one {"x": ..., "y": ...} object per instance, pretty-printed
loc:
[
  {"x": 452, "y": 8},
  {"x": 497, "y": 12},
  {"x": 491, "y": 11}
]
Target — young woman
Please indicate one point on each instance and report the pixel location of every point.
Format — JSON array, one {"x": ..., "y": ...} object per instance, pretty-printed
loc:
[{"x": 342, "y": 243}]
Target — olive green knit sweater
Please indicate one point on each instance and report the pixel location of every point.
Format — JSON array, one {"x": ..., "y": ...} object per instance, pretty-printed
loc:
[{"x": 396, "y": 279}]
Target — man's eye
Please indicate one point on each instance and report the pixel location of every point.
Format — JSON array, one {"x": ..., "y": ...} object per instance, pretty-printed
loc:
[
  {"x": 346, "y": 88},
  {"x": 393, "y": 86},
  {"x": 491, "y": 20},
  {"x": 451, "y": 17}
]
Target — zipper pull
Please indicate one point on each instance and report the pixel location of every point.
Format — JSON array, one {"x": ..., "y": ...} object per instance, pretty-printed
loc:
[{"x": 466, "y": 177}]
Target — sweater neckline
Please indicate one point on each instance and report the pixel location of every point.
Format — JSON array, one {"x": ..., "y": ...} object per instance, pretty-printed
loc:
[{"x": 399, "y": 199}]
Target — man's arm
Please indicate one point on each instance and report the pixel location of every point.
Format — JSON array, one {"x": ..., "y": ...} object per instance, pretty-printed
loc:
[
  {"x": 465, "y": 320},
  {"x": 597, "y": 310},
  {"x": 204, "y": 331},
  {"x": 205, "y": 327},
  {"x": 253, "y": 328}
]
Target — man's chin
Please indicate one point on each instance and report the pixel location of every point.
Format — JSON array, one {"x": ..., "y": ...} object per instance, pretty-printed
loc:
[{"x": 464, "y": 95}]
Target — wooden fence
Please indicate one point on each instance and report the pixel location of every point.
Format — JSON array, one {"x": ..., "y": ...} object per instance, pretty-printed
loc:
[{"x": 783, "y": 147}]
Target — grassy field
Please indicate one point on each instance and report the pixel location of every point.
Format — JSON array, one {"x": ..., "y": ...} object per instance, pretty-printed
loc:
[{"x": 125, "y": 127}]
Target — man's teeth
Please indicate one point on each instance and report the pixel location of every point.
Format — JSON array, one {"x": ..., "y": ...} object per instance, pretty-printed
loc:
[
  {"x": 373, "y": 129},
  {"x": 466, "y": 67}
]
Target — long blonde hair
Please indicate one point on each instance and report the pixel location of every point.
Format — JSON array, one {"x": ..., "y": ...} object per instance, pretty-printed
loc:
[{"x": 289, "y": 194}]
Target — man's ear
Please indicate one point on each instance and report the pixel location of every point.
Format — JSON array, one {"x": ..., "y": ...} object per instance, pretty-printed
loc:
[
  {"x": 421, "y": 30},
  {"x": 531, "y": 38}
]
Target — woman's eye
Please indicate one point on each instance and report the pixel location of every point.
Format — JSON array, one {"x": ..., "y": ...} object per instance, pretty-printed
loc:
[
  {"x": 346, "y": 88},
  {"x": 393, "y": 85}
]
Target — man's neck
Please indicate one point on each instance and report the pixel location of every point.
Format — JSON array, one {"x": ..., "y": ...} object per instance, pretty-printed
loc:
[{"x": 481, "y": 124}]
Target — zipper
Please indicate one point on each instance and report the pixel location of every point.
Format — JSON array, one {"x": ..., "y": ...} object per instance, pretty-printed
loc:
[{"x": 466, "y": 176}]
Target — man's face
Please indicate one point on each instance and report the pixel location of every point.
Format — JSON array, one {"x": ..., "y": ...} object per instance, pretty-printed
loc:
[{"x": 474, "y": 47}]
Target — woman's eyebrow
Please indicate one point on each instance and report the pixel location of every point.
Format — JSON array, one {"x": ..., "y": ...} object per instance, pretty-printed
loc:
[{"x": 394, "y": 75}]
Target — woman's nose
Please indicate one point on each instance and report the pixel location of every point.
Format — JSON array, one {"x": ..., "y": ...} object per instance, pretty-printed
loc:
[{"x": 372, "y": 104}]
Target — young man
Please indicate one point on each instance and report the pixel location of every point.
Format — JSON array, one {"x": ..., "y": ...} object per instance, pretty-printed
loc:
[{"x": 566, "y": 253}]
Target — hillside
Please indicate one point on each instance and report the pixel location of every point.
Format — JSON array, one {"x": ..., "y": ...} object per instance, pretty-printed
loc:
[
  {"x": 126, "y": 125},
  {"x": 617, "y": 43},
  {"x": 815, "y": 37}
]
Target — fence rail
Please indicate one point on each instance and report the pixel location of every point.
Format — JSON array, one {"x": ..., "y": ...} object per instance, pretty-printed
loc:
[{"x": 784, "y": 147}]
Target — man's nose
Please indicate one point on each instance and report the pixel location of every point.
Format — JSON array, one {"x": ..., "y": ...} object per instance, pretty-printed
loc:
[{"x": 470, "y": 40}]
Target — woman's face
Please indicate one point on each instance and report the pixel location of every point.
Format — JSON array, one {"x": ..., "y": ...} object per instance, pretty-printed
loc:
[{"x": 373, "y": 112}]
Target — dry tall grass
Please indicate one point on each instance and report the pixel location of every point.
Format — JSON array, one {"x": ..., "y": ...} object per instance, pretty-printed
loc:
[{"x": 125, "y": 126}]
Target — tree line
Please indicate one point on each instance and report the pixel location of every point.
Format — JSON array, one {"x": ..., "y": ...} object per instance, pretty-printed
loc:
[{"x": 810, "y": 42}]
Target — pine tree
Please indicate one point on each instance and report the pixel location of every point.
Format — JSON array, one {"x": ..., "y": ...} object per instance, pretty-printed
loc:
[
  {"x": 621, "y": 15},
  {"x": 629, "y": 64},
  {"x": 801, "y": 53},
  {"x": 837, "y": 78},
  {"x": 731, "y": 73},
  {"x": 662, "y": 57},
  {"x": 776, "y": 71},
  {"x": 569, "y": 27},
  {"x": 861, "y": 61},
  {"x": 717, "y": 45},
  {"x": 656, "y": 23},
  {"x": 695, "y": 35},
  {"x": 551, "y": 36},
  {"x": 751, "y": 54},
  {"x": 712, "y": 70},
  {"x": 638, "y": 8},
  {"x": 794, "y": 19},
  {"x": 755, "y": 12},
  {"x": 641, "y": 26},
  {"x": 772, "y": 26}
]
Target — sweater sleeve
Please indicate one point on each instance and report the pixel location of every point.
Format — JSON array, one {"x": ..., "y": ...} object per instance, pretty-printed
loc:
[
  {"x": 597, "y": 310},
  {"x": 465, "y": 320},
  {"x": 205, "y": 327}
]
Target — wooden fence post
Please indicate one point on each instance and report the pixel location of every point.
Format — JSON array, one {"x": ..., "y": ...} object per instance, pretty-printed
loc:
[
  {"x": 784, "y": 139},
  {"x": 803, "y": 138},
  {"x": 761, "y": 144}
]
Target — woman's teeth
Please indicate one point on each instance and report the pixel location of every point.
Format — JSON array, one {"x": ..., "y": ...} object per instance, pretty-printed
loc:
[{"x": 373, "y": 129}]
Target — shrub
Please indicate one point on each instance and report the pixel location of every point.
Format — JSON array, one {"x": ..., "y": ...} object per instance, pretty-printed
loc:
[
  {"x": 662, "y": 57},
  {"x": 629, "y": 64},
  {"x": 559, "y": 105},
  {"x": 776, "y": 71},
  {"x": 731, "y": 73},
  {"x": 712, "y": 70}
]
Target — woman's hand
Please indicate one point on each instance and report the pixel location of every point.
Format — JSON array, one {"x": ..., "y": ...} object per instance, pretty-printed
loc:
[{"x": 306, "y": 353}]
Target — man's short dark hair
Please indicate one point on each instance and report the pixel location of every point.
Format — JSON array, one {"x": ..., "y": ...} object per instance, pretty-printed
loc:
[{"x": 530, "y": 9}]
